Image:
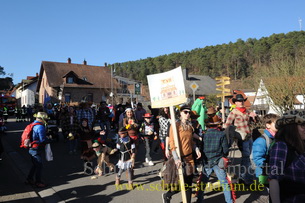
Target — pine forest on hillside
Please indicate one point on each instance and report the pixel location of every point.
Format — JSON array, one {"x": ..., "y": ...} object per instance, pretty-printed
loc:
[
  {"x": 237, "y": 60},
  {"x": 279, "y": 60}
]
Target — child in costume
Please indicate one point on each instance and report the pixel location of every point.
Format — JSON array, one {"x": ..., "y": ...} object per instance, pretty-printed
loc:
[
  {"x": 148, "y": 132},
  {"x": 126, "y": 147},
  {"x": 102, "y": 152}
]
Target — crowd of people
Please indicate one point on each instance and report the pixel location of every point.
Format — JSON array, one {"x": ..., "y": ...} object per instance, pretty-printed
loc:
[{"x": 276, "y": 158}]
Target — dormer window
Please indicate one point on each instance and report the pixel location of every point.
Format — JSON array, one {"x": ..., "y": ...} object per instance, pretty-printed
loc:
[
  {"x": 85, "y": 78},
  {"x": 70, "y": 80}
]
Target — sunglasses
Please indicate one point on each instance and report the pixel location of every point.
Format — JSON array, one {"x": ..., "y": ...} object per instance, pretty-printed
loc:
[{"x": 186, "y": 112}]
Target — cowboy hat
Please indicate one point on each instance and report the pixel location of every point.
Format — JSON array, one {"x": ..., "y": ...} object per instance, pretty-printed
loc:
[
  {"x": 42, "y": 115},
  {"x": 291, "y": 117},
  {"x": 213, "y": 121},
  {"x": 95, "y": 145},
  {"x": 147, "y": 115},
  {"x": 239, "y": 98},
  {"x": 211, "y": 110},
  {"x": 185, "y": 107}
]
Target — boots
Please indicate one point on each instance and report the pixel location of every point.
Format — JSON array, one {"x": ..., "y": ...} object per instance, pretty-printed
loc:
[{"x": 117, "y": 181}]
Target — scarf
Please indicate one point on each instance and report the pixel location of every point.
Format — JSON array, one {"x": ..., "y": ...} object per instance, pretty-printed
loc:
[
  {"x": 271, "y": 132},
  {"x": 241, "y": 109}
]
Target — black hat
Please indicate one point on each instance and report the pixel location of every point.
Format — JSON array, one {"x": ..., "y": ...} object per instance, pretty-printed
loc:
[
  {"x": 239, "y": 98},
  {"x": 185, "y": 107}
]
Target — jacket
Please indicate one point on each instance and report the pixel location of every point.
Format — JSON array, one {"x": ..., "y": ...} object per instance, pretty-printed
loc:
[
  {"x": 39, "y": 134},
  {"x": 259, "y": 151}
]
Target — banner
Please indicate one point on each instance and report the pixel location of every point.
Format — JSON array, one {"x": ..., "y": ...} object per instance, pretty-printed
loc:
[{"x": 167, "y": 89}]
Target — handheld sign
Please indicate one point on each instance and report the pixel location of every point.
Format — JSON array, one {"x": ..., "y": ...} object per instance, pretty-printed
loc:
[{"x": 167, "y": 90}]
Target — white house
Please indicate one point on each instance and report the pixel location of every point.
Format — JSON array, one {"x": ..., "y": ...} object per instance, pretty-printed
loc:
[
  {"x": 28, "y": 94},
  {"x": 25, "y": 91}
]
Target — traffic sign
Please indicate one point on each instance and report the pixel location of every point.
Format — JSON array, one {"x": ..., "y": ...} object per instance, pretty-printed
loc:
[
  {"x": 194, "y": 86},
  {"x": 137, "y": 88}
]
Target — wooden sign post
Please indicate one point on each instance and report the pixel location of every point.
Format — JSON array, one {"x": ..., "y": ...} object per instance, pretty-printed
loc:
[{"x": 177, "y": 144}]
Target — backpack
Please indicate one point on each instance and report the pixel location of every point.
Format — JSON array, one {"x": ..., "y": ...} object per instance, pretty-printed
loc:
[
  {"x": 26, "y": 137},
  {"x": 269, "y": 141}
]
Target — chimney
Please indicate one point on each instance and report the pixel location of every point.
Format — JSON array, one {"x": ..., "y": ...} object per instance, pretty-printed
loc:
[
  {"x": 105, "y": 64},
  {"x": 69, "y": 60},
  {"x": 185, "y": 72},
  {"x": 37, "y": 75},
  {"x": 85, "y": 62}
]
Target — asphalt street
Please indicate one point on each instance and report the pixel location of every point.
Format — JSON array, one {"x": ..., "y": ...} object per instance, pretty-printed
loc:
[{"x": 67, "y": 181}]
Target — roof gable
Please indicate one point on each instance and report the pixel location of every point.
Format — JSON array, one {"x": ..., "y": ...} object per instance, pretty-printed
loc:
[
  {"x": 95, "y": 76},
  {"x": 76, "y": 78}
]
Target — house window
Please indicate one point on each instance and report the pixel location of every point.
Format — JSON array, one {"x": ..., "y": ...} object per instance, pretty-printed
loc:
[
  {"x": 90, "y": 97},
  {"x": 70, "y": 80},
  {"x": 67, "y": 97}
]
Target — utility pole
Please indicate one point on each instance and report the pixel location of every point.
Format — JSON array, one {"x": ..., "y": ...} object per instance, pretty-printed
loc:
[{"x": 111, "y": 94}]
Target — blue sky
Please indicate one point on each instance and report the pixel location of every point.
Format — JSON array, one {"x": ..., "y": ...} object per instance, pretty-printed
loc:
[{"x": 113, "y": 31}]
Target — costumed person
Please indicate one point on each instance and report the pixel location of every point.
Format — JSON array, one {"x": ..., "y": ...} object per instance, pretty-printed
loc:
[
  {"x": 126, "y": 147},
  {"x": 130, "y": 120},
  {"x": 132, "y": 128},
  {"x": 187, "y": 146},
  {"x": 102, "y": 152},
  {"x": 214, "y": 150},
  {"x": 241, "y": 132},
  {"x": 200, "y": 107},
  {"x": 148, "y": 133},
  {"x": 287, "y": 159},
  {"x": 164, "y": 123}
]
